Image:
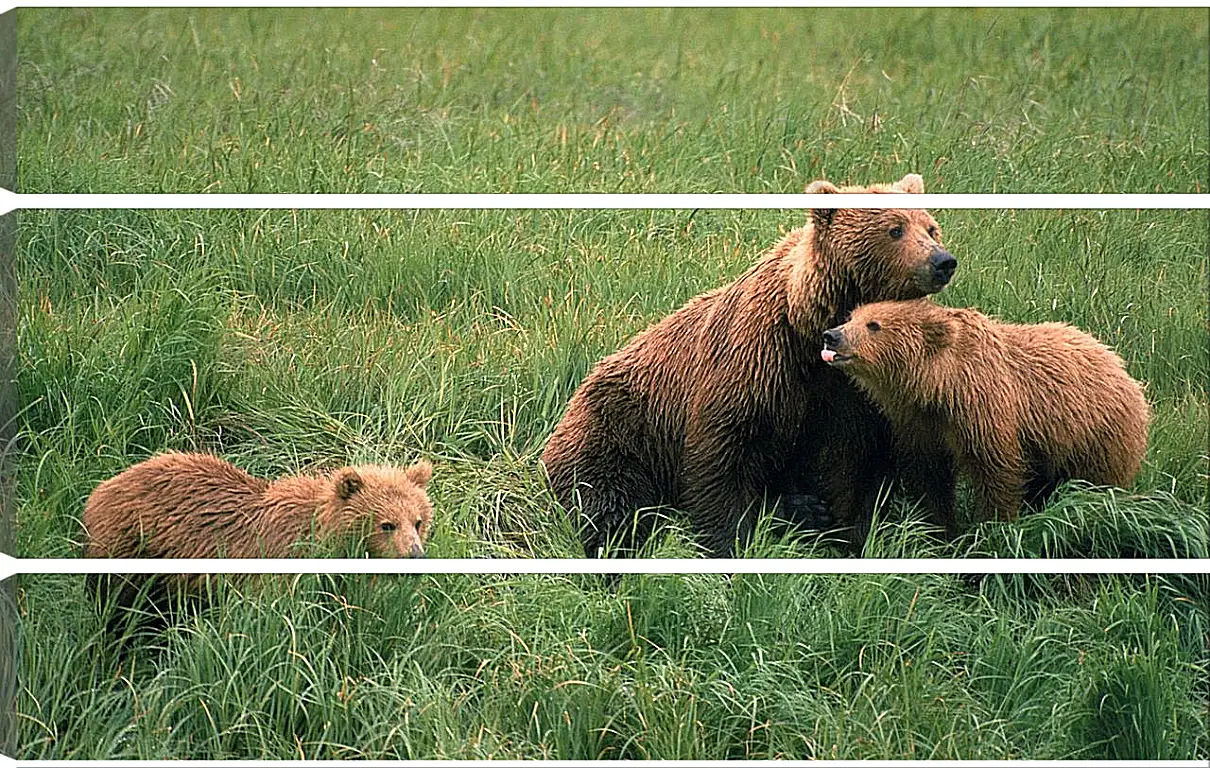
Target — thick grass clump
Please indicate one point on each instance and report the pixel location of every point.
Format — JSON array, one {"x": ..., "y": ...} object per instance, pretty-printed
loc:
[{"x": 611, "y": 100}]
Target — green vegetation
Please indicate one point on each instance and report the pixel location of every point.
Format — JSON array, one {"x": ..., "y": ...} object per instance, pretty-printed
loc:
[
  {"x": 282, "y": 340},
  {"x": 293, "y": 340},
  {"x": 289, "y": 340},
  {"x": 703, "y": 667},
  {"x": 609, "y": 100}
]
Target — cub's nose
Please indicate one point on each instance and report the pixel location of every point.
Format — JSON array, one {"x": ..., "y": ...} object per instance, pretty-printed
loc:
[
  {"x": 417, "y": 551},
  {"x": 943, "y": 264},
  {"x": 831, "y": 337}
]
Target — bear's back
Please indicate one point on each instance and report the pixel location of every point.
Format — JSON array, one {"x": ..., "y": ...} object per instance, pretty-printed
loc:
[
  {"x": 164, "y": 501},
  {"x": 1083, "y": 399}
]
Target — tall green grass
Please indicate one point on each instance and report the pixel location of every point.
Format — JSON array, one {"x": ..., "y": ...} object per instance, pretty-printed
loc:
[
  {"x": 654, "y": 667},
  {"x": 611, "y": 100},
  {"x": 286, "y": 341}
]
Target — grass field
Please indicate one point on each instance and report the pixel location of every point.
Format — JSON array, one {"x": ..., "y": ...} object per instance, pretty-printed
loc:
[
  {"x": 286, "y": 340},
  {"x": 289, "y": 340},
  {"x": 656, "y": 100},
  {"x": 702, "y": 667}
]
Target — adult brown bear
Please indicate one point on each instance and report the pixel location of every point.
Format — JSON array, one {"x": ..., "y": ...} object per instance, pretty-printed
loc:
[{"x": 726, "y": 401}]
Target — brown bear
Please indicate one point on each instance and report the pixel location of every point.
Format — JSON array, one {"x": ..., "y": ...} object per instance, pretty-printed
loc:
[
  {"x": 191, "y": 505},
  {"x": 725, "y": 402},
  {"x": 199, "y": 506},
  {"x": 1021, "y": 408}
]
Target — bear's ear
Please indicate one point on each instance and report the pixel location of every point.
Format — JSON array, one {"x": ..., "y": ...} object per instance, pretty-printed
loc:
[
  {"x": 912, "y": 183},
  {"x": 822, "y": 216},
  {"x": 348, "y": 482},
  {"x": 420, "y": 473},
  {"x": 822, "y": 187}
]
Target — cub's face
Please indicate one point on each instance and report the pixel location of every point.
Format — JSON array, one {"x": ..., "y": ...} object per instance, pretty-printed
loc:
[
  {"x": 888, "y": 254},
  {"x": 391, "y": 506},
  {"x": 886, "y": 340}
]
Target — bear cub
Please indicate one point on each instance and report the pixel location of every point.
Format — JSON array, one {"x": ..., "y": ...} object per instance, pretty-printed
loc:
[
  {"x": 190, "y": 505},
  {"x": 1020, "y": 408}
]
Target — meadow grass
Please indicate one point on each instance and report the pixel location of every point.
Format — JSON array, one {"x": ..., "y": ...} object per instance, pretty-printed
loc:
[
  {"x": 611, "y": 100},
  {"x": 652, "y": 667},
  {"x": 286, "y": 341}
]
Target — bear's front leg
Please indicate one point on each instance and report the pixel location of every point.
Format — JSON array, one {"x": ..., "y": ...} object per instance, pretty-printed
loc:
[
  {"x": 928, "y": 476},
  {"x": 721, "y": 484},
  {"x": 850, "y": 465},
  {"x": 998, "y": 471}
]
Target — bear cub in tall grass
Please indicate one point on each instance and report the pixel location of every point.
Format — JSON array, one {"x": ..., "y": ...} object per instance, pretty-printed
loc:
[
  {"x": 1021, "y": 408},
  {"x": 191, "y": 505}
]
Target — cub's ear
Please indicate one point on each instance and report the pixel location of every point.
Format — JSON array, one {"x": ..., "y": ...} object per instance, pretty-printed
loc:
[
  {"x": 912, "y": 183},
  {"x": 822, "y": 216},
  {"x": 822, "y": 187},
  {"x": 420, "y": 473},
  {"x": 348, "y": 482}
]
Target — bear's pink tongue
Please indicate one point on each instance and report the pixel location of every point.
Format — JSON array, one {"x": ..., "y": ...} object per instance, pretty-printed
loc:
[{"x": 828, "y": 355}]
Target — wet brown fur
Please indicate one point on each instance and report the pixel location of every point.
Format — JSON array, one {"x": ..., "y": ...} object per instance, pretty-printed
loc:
[
  {"x": 726, "y": 399},
  {"x": 1020, "y": 408},
  {"x": 191, "y": 505}
]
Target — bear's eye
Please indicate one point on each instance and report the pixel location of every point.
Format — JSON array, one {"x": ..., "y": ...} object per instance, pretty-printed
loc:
[
  {"x": 874, "y": 325},
  {"x": 387, "y": 527},
  {"x": 896, "y": 232},
  {"x": 933, "y": 232},
  {"x": 418, "y": 524}
]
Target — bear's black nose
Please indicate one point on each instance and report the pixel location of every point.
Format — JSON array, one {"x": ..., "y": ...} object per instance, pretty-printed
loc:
[
  {"x": 831, "y": 337},
  {"x": 943, "y": 263}
]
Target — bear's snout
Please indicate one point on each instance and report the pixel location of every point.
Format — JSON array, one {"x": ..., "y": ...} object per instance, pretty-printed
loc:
[
  {"x": 943, "y": 264},
  {"x": 417, "y": 551},
  {"x": 833, "y": 341}
]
